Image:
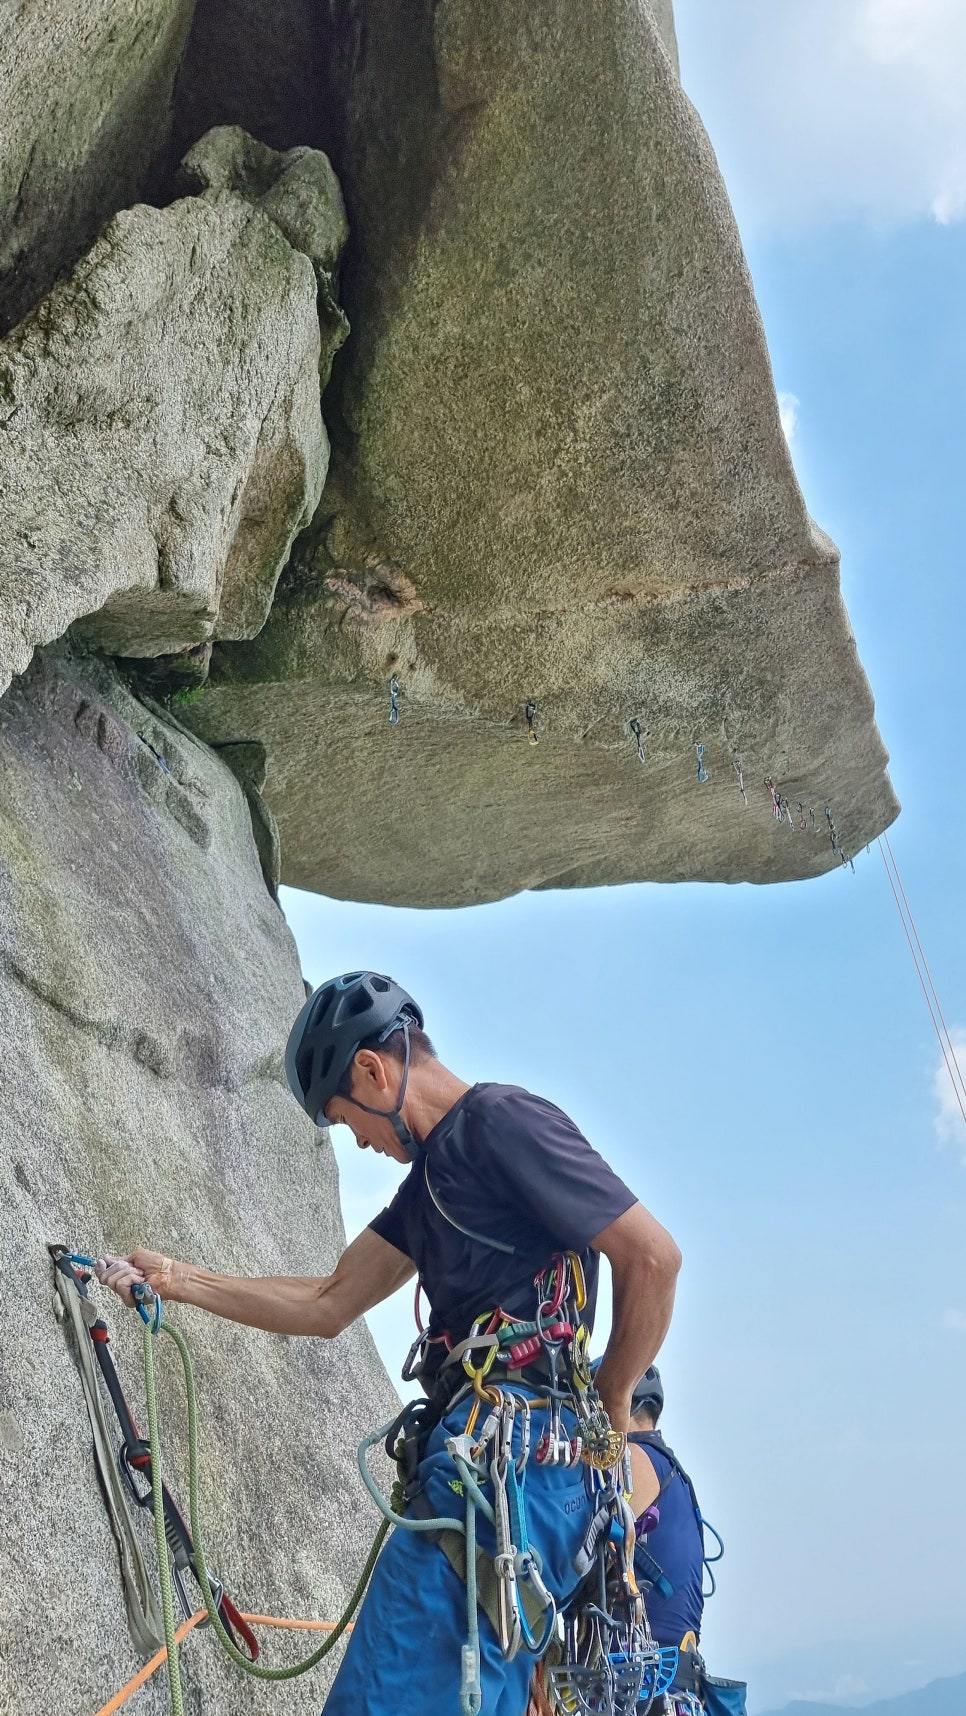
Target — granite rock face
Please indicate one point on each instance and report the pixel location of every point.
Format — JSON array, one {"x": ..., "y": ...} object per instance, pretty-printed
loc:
[
  {"x": 147, "y": 982},
  {"x": 559, "y": 476},
  {"x": 161, "y": 438},
  {"x": 86, "y": 117}
]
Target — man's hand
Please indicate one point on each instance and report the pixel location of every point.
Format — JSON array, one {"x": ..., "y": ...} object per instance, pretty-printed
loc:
[
  {"x": 160, "y": 1273},
  {"x": 644, "y": 1263}
]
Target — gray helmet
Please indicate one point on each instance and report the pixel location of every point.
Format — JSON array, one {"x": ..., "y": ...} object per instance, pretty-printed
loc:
[
  {"x": 340, "y": 1015},
  {"x": 648, "y": 1396}
]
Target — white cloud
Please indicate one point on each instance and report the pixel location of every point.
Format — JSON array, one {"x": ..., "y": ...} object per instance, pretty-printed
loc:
[
  {"x": 955, "y": 1320},
  {"x": 824, "y": 109},
  {"x": 788, "y": 405},
  {"x": 849, "y": 1686},
  {"x": 948, "y": 1118}
]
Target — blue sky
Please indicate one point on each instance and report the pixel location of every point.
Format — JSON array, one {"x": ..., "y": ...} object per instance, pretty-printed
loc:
[{"x": 758, "y": 1063}]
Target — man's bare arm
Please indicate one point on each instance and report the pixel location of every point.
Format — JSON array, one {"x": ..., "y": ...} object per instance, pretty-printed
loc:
[
  {"x": 644, "y": 1262},
  {"x": 369, "y": 1270}
]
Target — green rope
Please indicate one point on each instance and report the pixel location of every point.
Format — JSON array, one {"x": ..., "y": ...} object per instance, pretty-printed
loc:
[
  {"x": 238, "y": 1657},
  {"x": 161, "y": 1542}
]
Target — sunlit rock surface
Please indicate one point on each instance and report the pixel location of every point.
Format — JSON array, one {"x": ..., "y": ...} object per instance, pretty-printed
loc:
[
  {"x": 161, "y": 438},
  {"x": 558, "y": 476}
]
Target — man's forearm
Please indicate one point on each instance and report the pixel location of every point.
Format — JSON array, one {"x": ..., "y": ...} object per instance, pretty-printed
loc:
[
  {"x": 282, "y": 1304},
  {"x": 644, "y": 1264},
  {"x": 642, "y": 1316}
]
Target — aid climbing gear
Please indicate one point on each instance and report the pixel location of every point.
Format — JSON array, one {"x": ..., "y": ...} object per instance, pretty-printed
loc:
[
  {"x": 172, "y": 1536},
  {"x": 602, "y": 1659},
  {"x": 74, "y": 1309},
  {"x": 133, "y": 1462}
]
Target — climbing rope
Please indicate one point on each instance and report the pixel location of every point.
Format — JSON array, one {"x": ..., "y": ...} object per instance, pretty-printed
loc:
[
  {"x": 924, "y": 974},
  {"x": 152, "y": 1329},
  {"x": 144, "y": 1674}
]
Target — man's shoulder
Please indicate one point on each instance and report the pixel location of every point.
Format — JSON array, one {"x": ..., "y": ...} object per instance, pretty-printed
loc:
[{"x": 509, "y": 1108}]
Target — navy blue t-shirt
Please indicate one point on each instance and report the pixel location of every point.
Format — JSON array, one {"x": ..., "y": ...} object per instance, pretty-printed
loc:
[{"x": 513, "y": 1168}]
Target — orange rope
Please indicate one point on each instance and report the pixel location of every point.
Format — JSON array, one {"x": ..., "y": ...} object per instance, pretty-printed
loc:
[{"x": 188, "y": 1626}]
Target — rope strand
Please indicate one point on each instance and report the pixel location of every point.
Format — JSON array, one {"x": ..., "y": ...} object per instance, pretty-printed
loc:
[{"x": 925, "y": 977}]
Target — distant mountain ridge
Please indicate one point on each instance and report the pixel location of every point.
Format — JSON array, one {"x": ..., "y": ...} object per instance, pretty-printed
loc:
[{"x": 939, "y": 1698}]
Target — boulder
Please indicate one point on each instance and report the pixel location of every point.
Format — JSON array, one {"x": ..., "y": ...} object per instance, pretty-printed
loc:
[
  {"x": 147, "y": 984},
  {"x": 558, "y": 476},
  {"x": 161, "y": 438},
  {"x": 86, "y": 117}
]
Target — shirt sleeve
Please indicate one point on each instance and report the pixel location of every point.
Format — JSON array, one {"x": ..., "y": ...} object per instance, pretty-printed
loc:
[
  {"x": 552, "y": 1169},
  {"x": 391, "y": 1224}
]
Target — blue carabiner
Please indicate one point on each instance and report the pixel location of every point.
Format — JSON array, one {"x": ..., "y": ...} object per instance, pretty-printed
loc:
[
  {"x": 702, "y": 771},
  {"x": 144, "y": 1296}
]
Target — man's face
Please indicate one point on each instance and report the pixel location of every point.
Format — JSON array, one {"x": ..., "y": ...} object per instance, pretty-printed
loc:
[{"x": 375, "y": 1082}]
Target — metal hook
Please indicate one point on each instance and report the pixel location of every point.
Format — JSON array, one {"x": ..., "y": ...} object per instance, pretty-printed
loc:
[
  {"x": 533, "y": 737},
  {"x": 776, "y": 799},
  {"x": 394, "y": 701},
  {"x": 802, "y": 823},
  {"x": 635, "y": 727},
  {"x": 740, "y": 776},
  {"x": 702, "y": 771},
  {"x": 833, "y": 836}
]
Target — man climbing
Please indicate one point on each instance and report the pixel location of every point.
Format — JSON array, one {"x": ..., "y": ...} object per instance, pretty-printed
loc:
[
  {"x": 503, "y": 1217},
  {"x": 676, "y": 1542},
  {"x": 675, "y": 1600}
]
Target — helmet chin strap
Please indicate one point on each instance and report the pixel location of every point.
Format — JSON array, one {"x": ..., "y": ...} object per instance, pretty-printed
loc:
[{"x": 410, "y": 1144}]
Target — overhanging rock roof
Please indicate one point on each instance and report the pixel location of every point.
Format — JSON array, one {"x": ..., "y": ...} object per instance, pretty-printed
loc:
[{"x": 558, "y": 475}]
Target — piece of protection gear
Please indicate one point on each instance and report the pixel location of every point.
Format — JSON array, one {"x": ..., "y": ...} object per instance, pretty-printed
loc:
[{"x": 336, "y": 1018}]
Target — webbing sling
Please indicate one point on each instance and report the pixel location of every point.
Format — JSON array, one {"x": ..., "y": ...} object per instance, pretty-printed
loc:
[{"x": 143, "y": 1616}]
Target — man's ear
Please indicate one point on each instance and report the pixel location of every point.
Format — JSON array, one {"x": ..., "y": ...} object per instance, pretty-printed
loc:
[{"x": 370, "y": 1065}]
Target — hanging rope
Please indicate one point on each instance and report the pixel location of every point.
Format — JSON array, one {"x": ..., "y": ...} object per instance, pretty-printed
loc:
[
  {"x": 227, "y": 1643},
  {"x": 923, "y": 973}
]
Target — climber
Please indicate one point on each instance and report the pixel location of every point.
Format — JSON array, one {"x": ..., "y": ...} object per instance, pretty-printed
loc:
[
  {"x": 677, "y": 1541},
  {"x": 500, "y": 1184},
  {"x": 674, "y": 1603}
]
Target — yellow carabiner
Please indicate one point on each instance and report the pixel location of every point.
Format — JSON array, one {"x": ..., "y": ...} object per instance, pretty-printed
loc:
[
  {"x": 476, "y": 1329},
  {"x": 577, "y": 1277}
]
